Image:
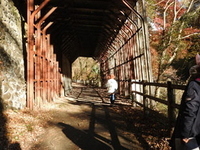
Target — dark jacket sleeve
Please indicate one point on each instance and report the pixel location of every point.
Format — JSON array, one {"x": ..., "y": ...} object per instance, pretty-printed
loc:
[{"x": 191, "y": 106}]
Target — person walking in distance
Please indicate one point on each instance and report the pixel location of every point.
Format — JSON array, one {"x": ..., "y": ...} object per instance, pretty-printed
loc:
[{"x": 112, "y": 87}]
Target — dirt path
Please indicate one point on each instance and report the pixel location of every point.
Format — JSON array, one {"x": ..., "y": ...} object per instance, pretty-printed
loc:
[
  {"x": 86, "y": 124},
  {"x": 86, "y": 121}
]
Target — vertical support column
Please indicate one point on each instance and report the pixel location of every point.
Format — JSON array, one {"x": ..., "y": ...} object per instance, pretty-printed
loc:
[
  {"x": 45, "y": 52},
  {"x": 30, "y": 54},
  {"x": 48, "y": 61},
  {"x": 40, "y": 80},
  {"x": 51, "y": 64},
  {"x": 31, "y": 13},
  {"x": 54, "y": 77},
  {"x": 38, "y": 69}
]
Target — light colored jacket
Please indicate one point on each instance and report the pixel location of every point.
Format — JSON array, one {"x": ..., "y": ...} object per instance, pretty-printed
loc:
[{"x": 112, "y": 85}]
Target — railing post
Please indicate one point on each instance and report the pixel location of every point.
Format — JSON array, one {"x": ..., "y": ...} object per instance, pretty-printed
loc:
[
  {"x": 171, "y": 104},
  {"x": 145, "y": 103},
  {"x": 130, "y": 91}
]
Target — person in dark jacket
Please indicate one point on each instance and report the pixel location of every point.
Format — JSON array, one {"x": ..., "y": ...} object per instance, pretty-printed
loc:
[{"x": 186, "y": 135}]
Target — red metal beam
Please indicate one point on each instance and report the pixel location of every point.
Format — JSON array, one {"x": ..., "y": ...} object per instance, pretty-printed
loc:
[
  {"x": 30, "y": 49},
  {"x": 39, "y": 89},
  {"x": 45, "y": 60}
]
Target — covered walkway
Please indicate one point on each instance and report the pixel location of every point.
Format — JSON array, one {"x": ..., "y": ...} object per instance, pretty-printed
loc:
[
  {"x": 114, "y": 33},
  {"x": 53, "y": 34}
]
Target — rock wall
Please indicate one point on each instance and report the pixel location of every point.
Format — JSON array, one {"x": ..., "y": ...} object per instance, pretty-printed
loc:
[{"x": 12, "y": 62}]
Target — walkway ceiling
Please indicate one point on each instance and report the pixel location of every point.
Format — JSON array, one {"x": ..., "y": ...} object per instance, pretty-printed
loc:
[{"x": 84, "y": 27}]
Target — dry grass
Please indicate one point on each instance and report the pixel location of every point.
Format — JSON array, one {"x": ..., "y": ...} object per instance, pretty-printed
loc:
[{"x": 25, "y": 126}]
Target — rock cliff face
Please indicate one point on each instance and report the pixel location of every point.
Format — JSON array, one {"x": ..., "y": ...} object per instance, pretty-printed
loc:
[{"x": 12, "y": 56}]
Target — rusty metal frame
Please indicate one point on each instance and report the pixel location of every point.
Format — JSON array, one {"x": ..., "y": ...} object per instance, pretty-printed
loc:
[
  {"x": 43, "y": 75},
  {"x": 129, "y": 52},
  {"x": 147, "y": 57}
]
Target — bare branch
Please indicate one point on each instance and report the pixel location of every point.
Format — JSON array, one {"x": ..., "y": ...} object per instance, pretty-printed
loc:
[
  {"x": 190, "y": 5},
  {"x": 160, "y": 2},
  {"x": 189, "y": 35},
  {"x": 164, "y": 14}
]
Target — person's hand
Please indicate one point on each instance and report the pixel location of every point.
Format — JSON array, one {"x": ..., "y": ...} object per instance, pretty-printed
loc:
[{"x": 185, "y": 140}]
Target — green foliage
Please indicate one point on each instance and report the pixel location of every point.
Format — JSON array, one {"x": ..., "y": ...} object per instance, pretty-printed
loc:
[
  {"x": 86, "y": 69},
  {"x": 191, "y": 19},
  {"x": 150, "y": 8}
]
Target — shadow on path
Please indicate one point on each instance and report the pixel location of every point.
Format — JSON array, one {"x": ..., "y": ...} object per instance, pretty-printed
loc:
[
  {"x": 83, "y": 139},
  {"x": 89, "y": 124},
  {"x": 100, "y": 115},
  {"x": 111, "y": 127},
  {"x": 115, "y": 141}
]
